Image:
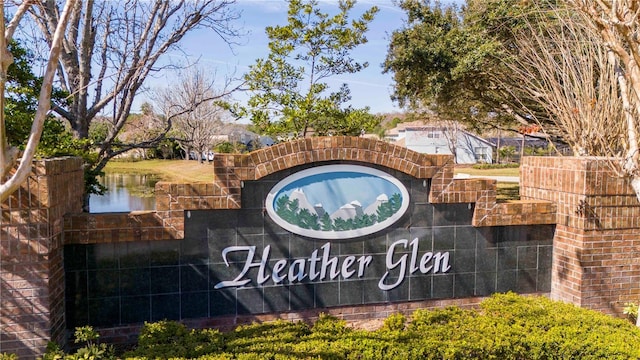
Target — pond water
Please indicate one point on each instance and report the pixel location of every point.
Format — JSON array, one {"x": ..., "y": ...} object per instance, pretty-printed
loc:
[{"x": 125, "y": 192}]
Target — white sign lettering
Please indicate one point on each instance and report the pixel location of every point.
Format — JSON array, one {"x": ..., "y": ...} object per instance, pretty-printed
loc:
[
  {"x": 326, "y": 267},
  {"x": 439, "y": 263}
]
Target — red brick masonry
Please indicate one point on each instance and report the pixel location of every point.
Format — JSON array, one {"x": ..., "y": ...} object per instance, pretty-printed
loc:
[
  {"x": 31, "y": 269},
  {"x": 597, "y": 242}
]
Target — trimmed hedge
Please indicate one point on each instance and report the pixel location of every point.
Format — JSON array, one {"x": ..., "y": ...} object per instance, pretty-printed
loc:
[
  {"x": 496, "y": 166},
  {"x": 506, "y": 326}
]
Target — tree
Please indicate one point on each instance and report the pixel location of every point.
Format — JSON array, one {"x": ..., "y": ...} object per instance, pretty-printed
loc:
[
  {"x": 451, "y": 130},
  {"x": 453, "y": 61},
  {"x": 571, "y": 78},
  {"x": 21, "y": 95},
  {"x": 111, "y": 49},
  {"x": 617, "y": 24},
  {"x": 195, "y": 109},
  {"x": 290, "y": 94},
  {"x": 8, "y": 154},
  {"x": 21, "y": 103},
  {"x": 584, "y": 73},
  {"x": 139, "y": 128}
]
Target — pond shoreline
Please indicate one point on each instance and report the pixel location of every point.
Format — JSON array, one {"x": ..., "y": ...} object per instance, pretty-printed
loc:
[{"x": 125, "y": 193}]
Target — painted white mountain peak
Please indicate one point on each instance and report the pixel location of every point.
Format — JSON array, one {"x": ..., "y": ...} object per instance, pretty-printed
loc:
[{"x": 347, "y": 211}]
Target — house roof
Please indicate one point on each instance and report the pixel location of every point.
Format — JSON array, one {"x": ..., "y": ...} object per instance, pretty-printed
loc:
[{"x": 402, "y": 126}]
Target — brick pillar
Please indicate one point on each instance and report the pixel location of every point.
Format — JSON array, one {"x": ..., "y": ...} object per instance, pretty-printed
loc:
[
  {"x": 596, "y": 250},
  {"x": 31, "y": 256}
]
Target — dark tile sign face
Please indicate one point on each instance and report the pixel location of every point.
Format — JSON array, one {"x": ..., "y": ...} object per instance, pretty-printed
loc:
[
  {"x": 428, "y": 252},
  {"x": 244, "y": 261}
]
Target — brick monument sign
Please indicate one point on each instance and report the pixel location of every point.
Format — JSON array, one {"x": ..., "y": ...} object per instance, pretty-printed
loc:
[{"x": 353, "y": 227}]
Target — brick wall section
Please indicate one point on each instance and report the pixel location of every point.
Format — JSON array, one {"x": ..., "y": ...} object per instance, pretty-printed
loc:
[
  {"x": 31, "y": 263},
  {"x": 488, "y": 211},
  {"x": 597, "y": 243}
]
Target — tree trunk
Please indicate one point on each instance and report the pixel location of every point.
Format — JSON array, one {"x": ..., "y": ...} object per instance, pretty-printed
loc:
[
  {"x": 44, "y": 104},
  {"x": 498, "y": 148},
  {"x": 635, "y": 185}
]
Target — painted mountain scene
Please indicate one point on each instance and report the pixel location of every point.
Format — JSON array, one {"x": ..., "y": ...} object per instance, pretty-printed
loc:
[{"x": 339, "y": 201}]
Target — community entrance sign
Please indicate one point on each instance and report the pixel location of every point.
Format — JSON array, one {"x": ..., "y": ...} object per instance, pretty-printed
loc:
[
  {"x": 348, "y": 234},
  {"x": 307, "y": 238}
]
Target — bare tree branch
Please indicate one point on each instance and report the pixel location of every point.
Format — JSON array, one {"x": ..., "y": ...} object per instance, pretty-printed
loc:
[
  {"x": 116, "y": 45},
  {"x": 24, "y": 167},
  {"x": 192, "y": 106},
  {"x": 569, "y": 73}
]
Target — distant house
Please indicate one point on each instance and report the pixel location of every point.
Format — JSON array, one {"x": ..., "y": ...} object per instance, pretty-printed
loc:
[
  {"x": 467, "y": 147},
  {"x": 239, "y": 134},
  {"x": 398, "y": 133}
]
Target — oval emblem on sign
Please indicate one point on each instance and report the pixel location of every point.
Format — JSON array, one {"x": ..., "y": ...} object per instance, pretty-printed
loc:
[{"x": 337, "y": 201}]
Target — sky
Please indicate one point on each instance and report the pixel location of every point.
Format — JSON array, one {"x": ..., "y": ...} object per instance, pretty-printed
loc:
[
  {"x": 337, "y": 188},
  {"x": 369, "y": 87}
]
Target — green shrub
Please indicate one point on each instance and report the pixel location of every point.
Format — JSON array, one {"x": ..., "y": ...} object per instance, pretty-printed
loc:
[
  {"x": 53, "y": 352},
  {"x": 631, "y": 310},
  {"x": 167, "y": 339},
  {"x": 505, "y": 326},
  {"x": 495, "y": 166},
  {"x": 395, "y": 322},
  {"x": 91, "y": 350},
  {"x": 329, "y": 325},
  {"x": 7, "y": 356}
]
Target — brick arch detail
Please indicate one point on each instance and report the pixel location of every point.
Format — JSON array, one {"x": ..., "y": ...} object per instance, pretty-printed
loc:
[{"x": 266, "y": 161}]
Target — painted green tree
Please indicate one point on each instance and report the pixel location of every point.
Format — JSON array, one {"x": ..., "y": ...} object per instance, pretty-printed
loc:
[
  {"x": 290, "y": 94},
  {"x": 384, "y": 211},
  {"x": 289, "y": 211},
  {"x": 364, "y": 220},
  {"x": 396, "y": 203},
  {"x": 306, "y": 220},
  {"x": 388, "y": 208},
  {"x": 340, "y": 224},
  {"x": 326, "y": 224},
  {"x": 285, "y": 209}
]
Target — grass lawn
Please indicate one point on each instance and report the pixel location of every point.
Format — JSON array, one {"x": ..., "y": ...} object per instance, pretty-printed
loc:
[
  {"x": 461, "y": 169},
  {"x": 168, "y": 170},
  {"x": 507, "y": 191}
]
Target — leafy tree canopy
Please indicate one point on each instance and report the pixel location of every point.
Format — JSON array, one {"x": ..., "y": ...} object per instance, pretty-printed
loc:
[
  {"x": 290, "y": 94},
  {"x": 453, "y": 60},
  {"x": 21, "y": 102}
]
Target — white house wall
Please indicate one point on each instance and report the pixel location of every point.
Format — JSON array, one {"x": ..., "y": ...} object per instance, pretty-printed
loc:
[{"x": 419, "y": 140}]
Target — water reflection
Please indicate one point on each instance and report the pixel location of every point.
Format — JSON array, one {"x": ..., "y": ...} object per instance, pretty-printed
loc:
[{"x": 125, "y": 192}]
